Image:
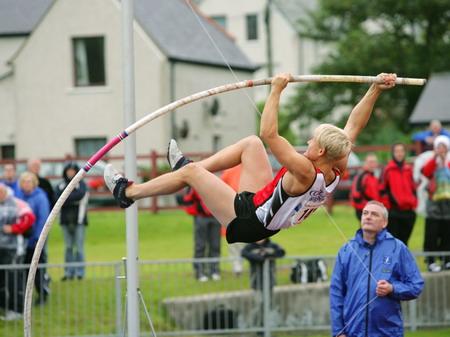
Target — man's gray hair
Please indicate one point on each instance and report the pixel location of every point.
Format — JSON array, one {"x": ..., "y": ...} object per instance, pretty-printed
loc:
[{"x": 385, "y": 212}]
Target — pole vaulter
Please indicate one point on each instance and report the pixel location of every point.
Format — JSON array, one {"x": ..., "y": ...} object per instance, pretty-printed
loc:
[{"x": 148, "y": 118}]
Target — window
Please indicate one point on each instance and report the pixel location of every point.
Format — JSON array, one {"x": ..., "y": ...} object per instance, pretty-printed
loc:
[
  {"x": 7, "y": 152},
  {"x": 252, "y": 27},
  {"x": 89, "y": 61},
  {"x": 86, "y": 147},
  {"x": 221, "y": 20}
]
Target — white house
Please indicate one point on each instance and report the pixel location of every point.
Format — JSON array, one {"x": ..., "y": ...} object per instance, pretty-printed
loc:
[
  {"x": 246, "y": 22},
  {"x": 61, "y": 77}
]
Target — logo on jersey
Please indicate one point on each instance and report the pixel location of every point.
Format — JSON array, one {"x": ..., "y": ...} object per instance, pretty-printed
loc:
[{"x": 317, "y": 196}]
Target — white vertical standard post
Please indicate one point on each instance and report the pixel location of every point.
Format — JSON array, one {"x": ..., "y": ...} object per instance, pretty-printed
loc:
[{"x": 131, "y": 214}]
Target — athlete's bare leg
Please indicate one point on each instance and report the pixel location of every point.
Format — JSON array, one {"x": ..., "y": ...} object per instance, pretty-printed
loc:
[
  {"x": 218, "y": 196},
  {"x": 250, "y": 152},
  {"x": 256, "y": 172}
]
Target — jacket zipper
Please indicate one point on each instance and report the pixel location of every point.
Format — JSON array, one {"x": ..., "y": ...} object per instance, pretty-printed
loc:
[{"x": 368, "y": 291}]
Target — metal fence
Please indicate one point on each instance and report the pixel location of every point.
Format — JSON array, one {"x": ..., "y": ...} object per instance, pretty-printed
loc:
[{"x": 175, "y": 303}]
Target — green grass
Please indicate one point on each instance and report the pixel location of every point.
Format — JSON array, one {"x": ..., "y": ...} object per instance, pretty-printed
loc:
[
  {"x": 169, "y": 235},
  {"x": 106, "y": 235}
]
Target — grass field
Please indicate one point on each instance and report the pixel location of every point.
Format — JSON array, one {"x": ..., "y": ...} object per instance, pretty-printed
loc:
[
  {"x": 168, "y": 235},
  {"x": 106, "y": 235}
]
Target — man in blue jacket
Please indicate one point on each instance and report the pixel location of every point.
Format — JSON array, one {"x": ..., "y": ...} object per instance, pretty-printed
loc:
[{"x": 372, "y": 274}]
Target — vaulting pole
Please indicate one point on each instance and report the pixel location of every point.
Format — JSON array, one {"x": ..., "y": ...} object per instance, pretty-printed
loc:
[{"x": 148, "y": 118}]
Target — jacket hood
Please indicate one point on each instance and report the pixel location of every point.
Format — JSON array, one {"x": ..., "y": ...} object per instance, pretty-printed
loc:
[{"x": 68, "y": 166}]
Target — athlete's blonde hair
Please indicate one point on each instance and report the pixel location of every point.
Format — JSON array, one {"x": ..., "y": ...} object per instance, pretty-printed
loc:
[{"x": 334, "y": 140}]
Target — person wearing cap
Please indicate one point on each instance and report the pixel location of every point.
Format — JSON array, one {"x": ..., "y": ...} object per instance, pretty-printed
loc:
[
  {"x": 73, "y": 222},
  {"x": 437, "y": 220}
]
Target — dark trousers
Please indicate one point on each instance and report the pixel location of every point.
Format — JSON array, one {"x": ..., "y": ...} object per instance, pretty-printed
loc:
[
  {"x": 437, "y": 238},
  {"x": 206, "y": 244},
  {"x": 401, "y": 224},
  {"x": 12, "y": 282},
  {"x": 42, "y": 280}
]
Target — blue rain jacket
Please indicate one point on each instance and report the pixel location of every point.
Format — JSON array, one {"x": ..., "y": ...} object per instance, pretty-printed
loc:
[
  {"x": 40, "y": 206},
  {"x": 356, "y": 311}
]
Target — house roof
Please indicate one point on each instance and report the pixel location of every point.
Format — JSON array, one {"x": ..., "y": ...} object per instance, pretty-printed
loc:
[
  {"x": 295, "y": 10},
  {"x": 434, "y": 102},
  {"x": 172, "y": 25},
  {"x": 20, "y": 17},
  {"x": 179, "y": 31}
]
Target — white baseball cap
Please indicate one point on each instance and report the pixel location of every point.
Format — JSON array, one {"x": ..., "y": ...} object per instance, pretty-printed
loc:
[{"x": 444, "y": 140}]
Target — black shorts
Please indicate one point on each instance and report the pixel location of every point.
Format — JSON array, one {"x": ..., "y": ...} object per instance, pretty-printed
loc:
[{"x": 246, "y": 227}]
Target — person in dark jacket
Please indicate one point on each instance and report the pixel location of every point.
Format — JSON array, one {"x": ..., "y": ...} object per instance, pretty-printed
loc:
[
  {"x": 73, "y": 222},
  {"x": 206, "y": 236},
  {"x": 398, "y": 190},
  {"x": 437, "y": 219},
  {"x": 257, "y": 253},
  {"x": 16, "y": 219},
  {"x": 34, "y": 166},
  {"x": 373, "y": 273},
  {"x": 31, "y": 193},
  {"x": 365, "y": 186}
]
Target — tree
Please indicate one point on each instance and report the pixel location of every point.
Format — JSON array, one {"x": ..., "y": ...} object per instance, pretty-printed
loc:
[{"x": 408, "y": 37}]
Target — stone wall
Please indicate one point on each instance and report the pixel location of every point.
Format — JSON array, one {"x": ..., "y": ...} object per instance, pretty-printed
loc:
[{"x": 298, "y": 306}]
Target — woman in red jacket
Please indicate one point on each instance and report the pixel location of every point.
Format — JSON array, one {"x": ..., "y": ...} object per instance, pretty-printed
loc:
[
  {"x": 399, "y": 194},
  {"x": 365, "y": 186}
]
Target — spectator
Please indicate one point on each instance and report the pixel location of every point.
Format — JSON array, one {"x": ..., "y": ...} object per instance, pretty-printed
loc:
[
  {"x": 425, "y": 139},
  {"x": 257, "y": 254},
  {"x": 437, "y": 219},
  {"x": 372, "y": 274},
  {"x": 10, "y": 177},
  {"x": 37, "y": 199},
  {"x": 206, "y": 236},
  {"x": 34, "y": 166},
  {"x": 16, "y": 219},
  {"x": 232, "y": 177},
  {"x": 365, "y": 186},
  {"x": 399, "y": 194},
  {"x": 73, "y": 222}
]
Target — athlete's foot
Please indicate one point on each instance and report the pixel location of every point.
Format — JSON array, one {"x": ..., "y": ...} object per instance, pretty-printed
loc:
[
  {"x": 175, "y": 157},
  {"x": 117, "y": 184}
]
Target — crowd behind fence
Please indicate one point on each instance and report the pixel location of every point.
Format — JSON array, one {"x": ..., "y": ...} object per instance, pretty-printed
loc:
[{"x": 175, "y": 303}]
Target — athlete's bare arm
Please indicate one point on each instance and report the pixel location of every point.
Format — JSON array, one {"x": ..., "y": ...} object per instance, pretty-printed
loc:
[
  {"x": 297, "y": 164},
  {"x": 361, "y": 112}
]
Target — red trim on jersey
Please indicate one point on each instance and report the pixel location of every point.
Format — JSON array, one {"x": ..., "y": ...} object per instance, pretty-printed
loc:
[{"x": 266, "y": 192}]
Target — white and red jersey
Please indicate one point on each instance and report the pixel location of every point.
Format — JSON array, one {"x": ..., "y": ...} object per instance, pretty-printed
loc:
[{"x": 276, "y": 209}]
